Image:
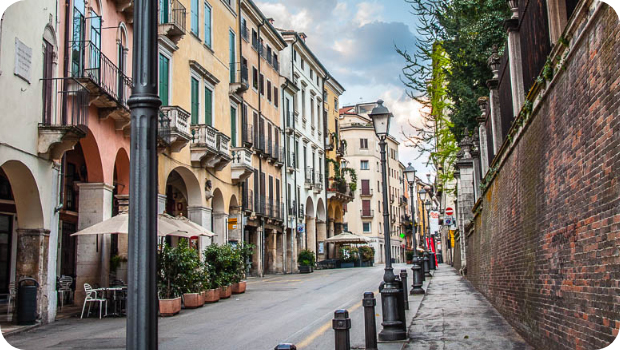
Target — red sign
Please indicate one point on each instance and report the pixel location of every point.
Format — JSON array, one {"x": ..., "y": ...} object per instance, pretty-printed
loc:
[{"x": 449, "y": 211}]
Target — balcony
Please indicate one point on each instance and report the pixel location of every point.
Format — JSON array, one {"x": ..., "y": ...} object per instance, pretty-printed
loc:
[
  {"x": 367, "y": 213},
  {"x": 245, "y": 33},
  {"x": 269, "y": 147},
  {"x": 172, "y": 19},
  {"x": 108, "y": 87},
  {"x": 223, "y": 148},
  {"x": 261, "y": 205},
  {"x": 62, "y": 128},
  {"x": 340, "y": 191},
  {"x": 290, "y": 162},
  {"x": 393, "y": 218},
  {"x": 318, "y": 182},
  {"x": 342, "y": 148},
  {"x": 366, "y": 192},
  {"x": 279, "y": 156},
  {"x": 259, "y": 141},
  {"x": 174, "y": 127},
  {"x": 309, "y": 178},
  {"x": 403, "y": 201},
  {"x": 392, "y": 199},
  {"x": 238, "y": 79},
  {"x": 204, "y": 147},
  {"x": 289, "y": 123},
  {"x": 241, "y": 164},
  {"x": 247, "y": 134}
]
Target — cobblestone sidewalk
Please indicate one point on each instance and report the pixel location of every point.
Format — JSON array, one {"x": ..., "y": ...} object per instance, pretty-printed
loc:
[{"x": 453, "y": 315}]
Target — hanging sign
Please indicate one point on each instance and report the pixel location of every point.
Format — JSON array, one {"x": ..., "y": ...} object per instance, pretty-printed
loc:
[{"x": 434, "y": 217}]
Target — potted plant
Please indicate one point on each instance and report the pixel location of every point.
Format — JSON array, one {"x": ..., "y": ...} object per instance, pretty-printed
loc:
[
  {"x": 306, "y": 260},
  {"x": 213, "y": 283},
  {"x": 191, "y": 277},
  {"x": 168, "y": 290},
  {"x": 243, "y": 265},
  {"x": 409, "y": 256},
  {"x": 367, "y": 255},
  {"x": 348, "y": 257}
]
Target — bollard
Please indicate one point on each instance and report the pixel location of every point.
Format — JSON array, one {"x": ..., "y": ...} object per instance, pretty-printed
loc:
[
  {"x": 421, "y": 264},
  {"x": 403, "y": 277},
  {"x": 285, "y": 346},
  {"x": 427, "y": 266},
  {"x": 432, "y": 261},
  {"x": 370, "y": 326},
  {"x": 417, "y": 277},
  {"x": 341, "y": 325}
]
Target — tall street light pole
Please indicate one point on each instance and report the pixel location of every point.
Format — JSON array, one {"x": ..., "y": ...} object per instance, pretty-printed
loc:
[
  {"x": 392, "y": 326},
  {"x": 144, "y": 104},
  {"x": 418, "y": 273},
  {"x": 426, "y": 263}
]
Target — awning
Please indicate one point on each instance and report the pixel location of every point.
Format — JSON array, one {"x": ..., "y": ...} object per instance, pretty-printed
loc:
[{"x": 347, "y": 237}]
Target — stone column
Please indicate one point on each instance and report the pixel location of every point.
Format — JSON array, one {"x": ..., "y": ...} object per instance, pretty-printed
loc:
[
  {"x": 321, "y": 236},
  {"x": 31, "y": 261},
  {"x": 201, "y": 216},
  {"x": 52, "y": 259},
  {"x": 465, "y": 190},
  {"x": 311, "y": 233},
  {"x": 93, "y": 252},
  {"x": 495, "y": 115},
  {"x": 282, "y": 252},
  {"x": 515, "y": 61},
  {"x": 331, "y": 233},
  {"x": 483, "y": 103},
  {"x": 220, "y": 227}
]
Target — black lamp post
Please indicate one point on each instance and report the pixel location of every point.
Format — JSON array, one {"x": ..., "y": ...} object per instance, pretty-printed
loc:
[
  {"x": 426, "y": 260},
  {"x": 418, "y": 273},
  {"x": 144, "y": 104},
  {"x": 431, "y": 255},
  {"x": 392, "y": 326}
]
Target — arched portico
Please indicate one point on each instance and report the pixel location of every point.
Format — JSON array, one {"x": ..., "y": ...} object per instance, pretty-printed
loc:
[
  {"x": 220, "y": 217},
  {"x": 321, "y": 229},
  {"x": 310, "y": 229}
]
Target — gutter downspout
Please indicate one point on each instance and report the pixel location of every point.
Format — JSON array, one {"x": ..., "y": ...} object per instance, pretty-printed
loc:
[
  {"x": 295, "y": 142},
  {"x": 285, "y": 183},
  {"x": 260, "y": 160},
  {"x": 242, "y": 188},
  {"x": 325, "y": 167}
]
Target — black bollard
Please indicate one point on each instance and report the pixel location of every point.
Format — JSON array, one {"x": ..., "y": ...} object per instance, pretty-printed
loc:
[
  {"x": 370, "y": 326},
  {"x": 427, "y": 265},
  {"x": 341, "y": 325},
  {"x": 418, "y": 277},
  {"x": 285, "y": 346},
  {"x": 432, "y": 260},
  {"x": 403, "y": 277}
]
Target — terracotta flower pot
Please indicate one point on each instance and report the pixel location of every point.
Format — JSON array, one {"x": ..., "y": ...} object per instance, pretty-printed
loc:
[
  {"x": 225, "y": 292},
  {"x": 239, "y": 287},
  {"x": 193, "y": 300},
  {"x": 212, "y": 295},
  {"x": 169, "y": 307}
]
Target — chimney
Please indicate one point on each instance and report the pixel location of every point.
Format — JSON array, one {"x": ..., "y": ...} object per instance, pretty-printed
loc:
[
  {"x": 270, "y": 20},
  {"x": 303, "y": 36}
]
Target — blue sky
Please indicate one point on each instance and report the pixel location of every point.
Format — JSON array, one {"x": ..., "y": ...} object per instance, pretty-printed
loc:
[{"x": 354, "y": 39}]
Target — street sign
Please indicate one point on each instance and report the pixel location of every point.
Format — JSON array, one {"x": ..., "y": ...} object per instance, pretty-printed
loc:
[
  {"x": 447, "y": 221},
  {"x": 449, "y": 211}
]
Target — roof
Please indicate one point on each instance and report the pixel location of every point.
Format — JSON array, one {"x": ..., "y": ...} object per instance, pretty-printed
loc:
[
  {"x": 303, "y": 44},
  {"x": 266, "y": 21}
]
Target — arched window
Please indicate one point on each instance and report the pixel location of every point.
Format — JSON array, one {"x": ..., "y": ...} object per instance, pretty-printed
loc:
[
  {"x": 121, "y": 57},
  {"x": 49, "y": 67}
]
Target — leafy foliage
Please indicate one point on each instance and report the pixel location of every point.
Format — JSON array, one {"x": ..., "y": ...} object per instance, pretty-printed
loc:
[
  {"x": 306, "y": 258},
  {"x": 178, "y": 270},
  {"x": 339, "y": 174},
  {"x": 367, "y": 253}
]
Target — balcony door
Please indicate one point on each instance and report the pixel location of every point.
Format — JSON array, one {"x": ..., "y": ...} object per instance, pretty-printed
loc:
[
  {"x": 164, "y": 11},
  {"x": 195, "y": 103},
  {"x": 77, "y": 45},
  {"x": 95, "y": 47},
  {"x": 365, "y": 187},
  {"x": 164, "y": 79}
]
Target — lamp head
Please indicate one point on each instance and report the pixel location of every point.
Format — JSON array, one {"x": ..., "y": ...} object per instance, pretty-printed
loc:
[
  {"x": 380, "y": 116},
  {"x": 410, "y": 174}
]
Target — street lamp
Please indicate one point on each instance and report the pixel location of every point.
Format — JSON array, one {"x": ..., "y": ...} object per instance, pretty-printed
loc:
[
  {"x": 418, "y": 273},
  {"x": 392, "y": 325},
  {"x": 426, "y": 260},
  {"x": 429, "y": 205}
]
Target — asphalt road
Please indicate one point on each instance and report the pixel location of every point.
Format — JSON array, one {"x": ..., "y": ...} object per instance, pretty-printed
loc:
[{"x": 276, "y": 309}]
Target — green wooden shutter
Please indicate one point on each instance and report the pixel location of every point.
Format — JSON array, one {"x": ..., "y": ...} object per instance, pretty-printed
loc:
[
  {"x": 195, "y": 102},
  {"x": 207, "y": 25},
  {"x": 163, "y": 11},
  {"x": 208, "y": 107},
  {"x": 233, "y": 56},
  {"x": 164, "y": 76},
  {"x": 233, "y": 127}
]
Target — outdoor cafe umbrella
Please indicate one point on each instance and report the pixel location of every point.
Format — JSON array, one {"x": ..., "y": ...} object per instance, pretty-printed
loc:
[
  {"x": 119, "y": 224},
  {"x": 187, "y": 225},
  {"x": 347, "y": 237}
]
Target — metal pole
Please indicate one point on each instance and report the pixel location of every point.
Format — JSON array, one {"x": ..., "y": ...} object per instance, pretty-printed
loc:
[
  {"x": 392, "y": 326},
  {"x": 403, "y": 277},
  {"x": 341, "y": 325},
  {"x": 370, "y": 326},
  {"x": 142, "y": 304}
]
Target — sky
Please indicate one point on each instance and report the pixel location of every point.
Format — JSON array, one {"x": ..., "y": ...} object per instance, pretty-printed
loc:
[{"x": 355, "y": 40}]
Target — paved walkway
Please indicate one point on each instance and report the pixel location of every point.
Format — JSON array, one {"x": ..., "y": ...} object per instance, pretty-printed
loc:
[{"x": 453, "y": 315}]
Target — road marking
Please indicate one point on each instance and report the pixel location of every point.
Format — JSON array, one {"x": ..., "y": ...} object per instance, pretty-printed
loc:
[{"x": 312, "y": 337}]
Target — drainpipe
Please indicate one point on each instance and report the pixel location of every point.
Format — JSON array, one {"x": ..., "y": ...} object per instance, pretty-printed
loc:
[
  {"x": 65, "y": 62},
  {"x": 295, "y": 142},
  {"x": 325, "y": 166},
  {"x": 260, "y": 161},
  {"x": 284, "y": 87},
  {"x": 241, "y": 184}
]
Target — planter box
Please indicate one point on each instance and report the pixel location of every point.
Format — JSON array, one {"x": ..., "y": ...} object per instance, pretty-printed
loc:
[
  {"x": 193, "y": 300},
  {"x": 238, "y": 288},
  {"x": 212, "y": 295},
  {"x": 347, "y": 264},
  {"x": 225, "y": 292},
  {"x": 169, "y": 307},
  {"x": 305, "y": 269},
  {"x": 367, "y": 263}
]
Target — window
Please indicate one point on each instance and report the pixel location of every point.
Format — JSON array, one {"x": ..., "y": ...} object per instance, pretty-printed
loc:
[
  {"x": 303, "y": 103},
  {"x": 294, "y": 55},
  {"x": 346, "y": 227},
  {"x": 269, "y": 90},
  {"x": 302, "y": 64},
  {"x": 208, "y": 106},
  {"x": 195, "y": 103},
  {"x": 365, "y": 187},
  {"x": 364, "y": 165},
  {"x": 363, "y": 143},
  {"x": 255, "y": 78},
  {"x": 335, "y": 104},
  {"x": 208, "y": 19},
  {"x": 262, "y": 84},
  {"x": 48, "y": 61},
  {"x": 366, "y": 227},
  {"x": 233, "y": 126},
  {"x": 366, "y": 208},
  {"x": 79, "y": 20},
  {"x": 275, "y": 96},
  {"x": 233, "y": 56},
  {"x": 194, "y": 15},
  {"x": 311, "y": 74},
  {"x": 164, "y": 79},
  {"x": 297, "y": 153}
]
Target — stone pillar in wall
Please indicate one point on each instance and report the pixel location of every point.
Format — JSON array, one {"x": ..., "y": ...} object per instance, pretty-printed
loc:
[
  {"x": 465, "y": 190},
  {"x": 220, "y": 228},
  {"x": 31, "y": 261},
  {"x": 201, "y": 216},
  {"x": 483, "y": 103},
  {"x": 321, "y": 235},
  {"x": 475, "y": 153},
  {"x": 311, "y": 233},
  {"x": 93, "y": 251},
  {"x": 515, "y": 62},
  {"x": 123, "y": 240},
  {"x": 495, "y": 115},
  {"x": 281, "y": 260},
  {"x": 330, "y": 233}
]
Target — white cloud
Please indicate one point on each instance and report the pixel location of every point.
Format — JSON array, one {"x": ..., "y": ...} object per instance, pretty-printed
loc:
[
  {"x": 284, "y": 19},
  {"x": 368, "y": 12}
]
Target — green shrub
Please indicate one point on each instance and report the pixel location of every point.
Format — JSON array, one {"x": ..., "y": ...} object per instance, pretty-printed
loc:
[
  {"x": 367, "y": 253},
  {"x": 306, "y": 258},
  {"x": 409, "y": 255},
  {"x": 178, "y": 270}
]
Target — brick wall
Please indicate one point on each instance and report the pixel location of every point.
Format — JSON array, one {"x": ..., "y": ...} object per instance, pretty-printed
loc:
[{"x": 546, "y": 245}]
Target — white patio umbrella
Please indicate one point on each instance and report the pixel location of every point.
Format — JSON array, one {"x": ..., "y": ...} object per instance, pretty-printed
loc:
[
  {"x": 119, "y": 224},
  {"x": 194, "y": 227},
  {"x": 347, "y": 237},
  {"x": 186, "y": 227}
]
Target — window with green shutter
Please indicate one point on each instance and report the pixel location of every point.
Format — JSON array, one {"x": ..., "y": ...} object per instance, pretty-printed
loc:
[
  {"x": 207, "y": 25},
  {"x": 195, "y": 102},
  {"x": 233, "y": 56},
  {"x": 194, "y": 15},
  {"x": 208, "y": 106},
  {"x": 233, "y": 126},
  {"x": 164, "y": 78}
]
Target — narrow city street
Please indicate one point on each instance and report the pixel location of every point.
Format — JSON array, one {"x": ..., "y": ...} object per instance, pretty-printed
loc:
[{"x": 285, "y": 308}]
